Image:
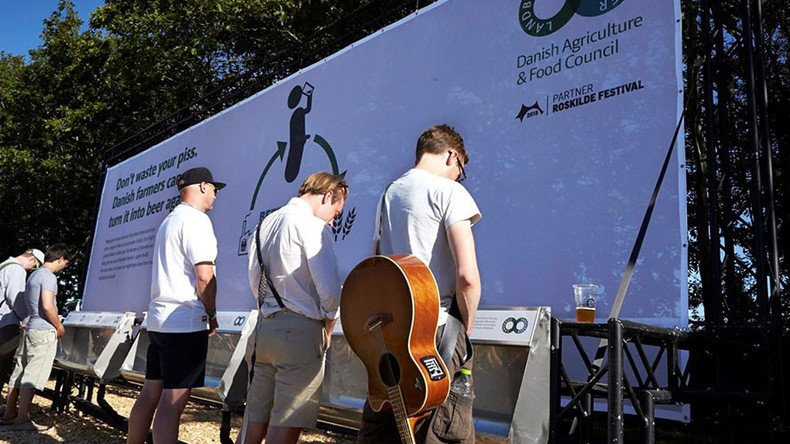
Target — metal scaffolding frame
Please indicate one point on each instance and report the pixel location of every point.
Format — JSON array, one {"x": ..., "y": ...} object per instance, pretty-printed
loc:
[
  {"x": 643, "y": 367},
  {"x": 737, "y": 230},
  {"x": 721, "y": 37},
  {"x": 735, "y": 378}
]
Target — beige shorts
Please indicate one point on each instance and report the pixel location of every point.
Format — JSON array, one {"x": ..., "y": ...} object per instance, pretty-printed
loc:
[
  {"x": 288, "y": 371},
  {"x": 34, "y": 358}
]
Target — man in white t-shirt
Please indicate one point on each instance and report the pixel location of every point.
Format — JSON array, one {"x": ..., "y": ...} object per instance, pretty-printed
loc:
[
  {"x": 428, "y": 213},
  {"x": 182, "y": 313},
  {"x": 298, "y": 304},
  {"x": 13, "y": 273}
]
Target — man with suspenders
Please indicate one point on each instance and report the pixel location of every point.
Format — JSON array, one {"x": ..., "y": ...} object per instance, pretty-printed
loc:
[{"x": 293, "y": 271}]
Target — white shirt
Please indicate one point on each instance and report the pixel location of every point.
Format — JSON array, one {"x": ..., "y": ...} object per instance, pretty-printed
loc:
[
  {"x": 12, "y": 284},
  {"x": 418, "y": 209},
  {"x": 298, "y": 251},
  {"x": 185, "y": 238}
]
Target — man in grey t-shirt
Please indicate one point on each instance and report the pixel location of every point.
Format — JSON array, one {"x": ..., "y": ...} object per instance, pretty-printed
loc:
[
  {"x": 428, "y": 213},
  {"x": 38, "y": 346},
  {"x": 13, "y": 273}
]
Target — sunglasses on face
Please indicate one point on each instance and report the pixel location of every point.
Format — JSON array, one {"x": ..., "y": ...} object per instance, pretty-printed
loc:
[{"x": 214, "y": 187}]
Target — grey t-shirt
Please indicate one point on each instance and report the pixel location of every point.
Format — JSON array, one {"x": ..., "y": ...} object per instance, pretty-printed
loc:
[
  {"x": 41, "y": 279},
  {"x": 419, "y": 208}
]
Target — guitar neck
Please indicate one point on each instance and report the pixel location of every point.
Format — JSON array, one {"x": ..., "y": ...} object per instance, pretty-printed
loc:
[{"x": 401, "y": 419}]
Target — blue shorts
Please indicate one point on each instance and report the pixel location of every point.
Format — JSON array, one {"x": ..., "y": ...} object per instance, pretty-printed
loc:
[{"x": 177, "y": 359}]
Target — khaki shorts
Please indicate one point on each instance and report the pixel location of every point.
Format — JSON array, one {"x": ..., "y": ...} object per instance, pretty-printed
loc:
[
  {"x": 34, "y": 358},
  {"x": 288, "y": 371}
]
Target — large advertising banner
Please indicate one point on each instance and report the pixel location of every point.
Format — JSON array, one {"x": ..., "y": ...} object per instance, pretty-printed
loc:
[{"x": 567, "y": 108}]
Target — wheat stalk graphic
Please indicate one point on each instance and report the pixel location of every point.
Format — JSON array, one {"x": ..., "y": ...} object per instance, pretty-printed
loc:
[{"x": 349, "y": 222}]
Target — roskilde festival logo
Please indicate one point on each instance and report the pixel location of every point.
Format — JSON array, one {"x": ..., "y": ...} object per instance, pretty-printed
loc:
[
  {"x": 536, "y": 26},
  {"x": 529, "y": 111},
  {"x": 294, "y": 148}
]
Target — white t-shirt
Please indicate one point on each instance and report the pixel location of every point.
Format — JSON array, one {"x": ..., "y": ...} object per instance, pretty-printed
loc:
[
  {"x": 300, "y": 261},
  {"x": 185, "y": 238},
  {"x": 419, "y": 207},
  {"x": 12, "y": 285}
]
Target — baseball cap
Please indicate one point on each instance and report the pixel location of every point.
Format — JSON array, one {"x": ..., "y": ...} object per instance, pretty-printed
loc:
[
  {"x": 37, "y": 254},
  {"x": 198, "y": 175}
]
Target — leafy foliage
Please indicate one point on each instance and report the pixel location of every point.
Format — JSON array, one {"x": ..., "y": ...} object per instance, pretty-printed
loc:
[
  {"x": 723, "y": 284},
  {"x": 82, "y": 92}
]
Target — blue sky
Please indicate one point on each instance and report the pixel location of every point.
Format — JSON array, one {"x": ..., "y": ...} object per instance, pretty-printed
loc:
[{"x": 21, "y": 22}]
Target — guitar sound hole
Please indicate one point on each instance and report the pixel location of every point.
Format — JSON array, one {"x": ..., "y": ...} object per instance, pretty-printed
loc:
[{"x": 389, "y": 370}]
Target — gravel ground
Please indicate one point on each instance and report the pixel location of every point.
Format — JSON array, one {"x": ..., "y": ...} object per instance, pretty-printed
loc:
[{"x": 200, "y": 424}]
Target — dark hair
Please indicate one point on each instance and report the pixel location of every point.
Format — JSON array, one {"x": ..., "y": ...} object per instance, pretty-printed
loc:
[
  {"x": 440, "y": 138},
  {"x": 57, "y": 251}
]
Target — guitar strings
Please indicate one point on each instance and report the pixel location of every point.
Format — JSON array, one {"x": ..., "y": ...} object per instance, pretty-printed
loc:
[{"x": 399, "y": 407}]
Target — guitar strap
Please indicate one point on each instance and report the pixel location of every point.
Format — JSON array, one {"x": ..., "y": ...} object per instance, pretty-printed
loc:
[
  {"x": 380, "y": 220},
  {"x": 262, "y": 293}
]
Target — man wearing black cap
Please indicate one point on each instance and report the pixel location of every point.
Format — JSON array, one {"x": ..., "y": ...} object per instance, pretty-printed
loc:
[{"x": 182, "y": 313}]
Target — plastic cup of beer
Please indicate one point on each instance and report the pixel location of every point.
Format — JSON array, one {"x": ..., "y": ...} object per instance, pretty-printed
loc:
[{"x": 586, "y": 296}]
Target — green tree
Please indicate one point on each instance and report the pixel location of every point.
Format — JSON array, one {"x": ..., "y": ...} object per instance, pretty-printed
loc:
[
  {"x": 48, "y": 146},
  {"x": 140, "y": 61},
  {"x": 738, "y": 302}
]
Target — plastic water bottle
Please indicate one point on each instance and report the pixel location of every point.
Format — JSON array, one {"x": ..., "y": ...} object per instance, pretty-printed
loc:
[{"x": 462, "y": 386}]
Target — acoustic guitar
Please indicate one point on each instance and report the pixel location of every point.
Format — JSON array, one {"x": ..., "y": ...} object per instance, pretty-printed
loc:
[{"x": 389, "y": 309}]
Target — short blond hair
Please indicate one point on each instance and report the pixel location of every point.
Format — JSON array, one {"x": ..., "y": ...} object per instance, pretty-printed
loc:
[{"x": 322, "y": 183}]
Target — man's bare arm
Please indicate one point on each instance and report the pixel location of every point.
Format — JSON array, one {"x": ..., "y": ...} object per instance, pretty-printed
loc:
[
  {"x": 329, "y": 326},
  {"x": 467, "y": 283},
  {"x": 207, "y": 290},
  {"x": 51, "y": 311}
]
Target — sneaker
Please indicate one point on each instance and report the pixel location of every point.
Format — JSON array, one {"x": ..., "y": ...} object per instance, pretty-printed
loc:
[{"x": 27, "y": 426}]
